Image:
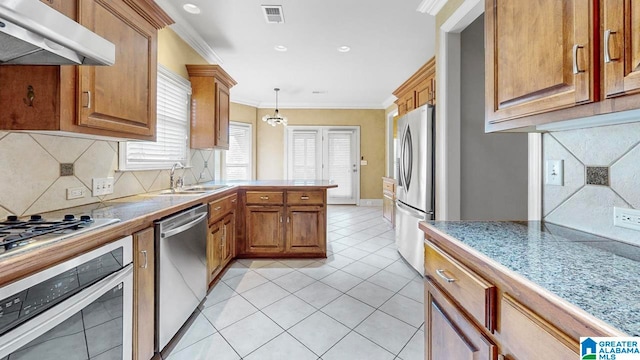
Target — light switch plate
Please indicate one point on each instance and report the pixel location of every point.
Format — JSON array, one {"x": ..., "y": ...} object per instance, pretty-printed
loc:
[
  {"x": 102, "y": 186},
  {"x": 554, "y": 172}
]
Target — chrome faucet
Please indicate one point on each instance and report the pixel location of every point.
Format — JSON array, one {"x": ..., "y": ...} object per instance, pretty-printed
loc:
[{"x": 173, "y": 184}]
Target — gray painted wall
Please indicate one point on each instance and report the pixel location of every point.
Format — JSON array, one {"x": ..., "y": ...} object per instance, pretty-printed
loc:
[{"x": 493, "y": 170}]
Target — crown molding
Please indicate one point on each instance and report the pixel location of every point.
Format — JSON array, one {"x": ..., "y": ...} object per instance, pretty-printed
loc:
[
  {"x": 431, "y": 7},
  {"x": 343, "y": 106},
  {"x": 189, "y": 34},
  {"x": 390, "y": 101},
  {"x": 247, "y": 102}
]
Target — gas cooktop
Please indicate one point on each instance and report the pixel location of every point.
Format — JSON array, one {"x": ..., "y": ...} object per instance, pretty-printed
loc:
[{"x": 17, "y": 235}]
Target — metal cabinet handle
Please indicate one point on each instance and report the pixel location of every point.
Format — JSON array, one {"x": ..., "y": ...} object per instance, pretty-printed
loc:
[
  {"x": 280, "y": 218},
  {"x": 607, "y": 53},
  {"x": 233, "y": 201},
  {"x": 440, "y": 273},
  {"x": 304, "y": 197},
  {"x": 264, "y": 198},
  {"x": 217, "y": 208},
  {"x": 88, "y": 99},
  {"x": 146, "y": 259},
  {"x": 288, "y": 219},
  {"x": 576, "y": 68}
]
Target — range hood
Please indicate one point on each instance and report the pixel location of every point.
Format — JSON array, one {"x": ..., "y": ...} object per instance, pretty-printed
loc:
[{"x": 32, "y": 33}]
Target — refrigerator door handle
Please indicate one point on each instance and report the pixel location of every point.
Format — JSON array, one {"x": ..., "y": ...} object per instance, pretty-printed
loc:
[{"x": 409, "y": 211}]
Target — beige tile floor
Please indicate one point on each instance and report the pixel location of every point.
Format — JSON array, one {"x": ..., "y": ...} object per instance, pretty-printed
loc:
[{"x": 362, "y": 302}]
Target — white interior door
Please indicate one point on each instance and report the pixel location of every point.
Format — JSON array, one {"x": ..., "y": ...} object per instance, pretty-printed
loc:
[{"x": 326, "y": 153}]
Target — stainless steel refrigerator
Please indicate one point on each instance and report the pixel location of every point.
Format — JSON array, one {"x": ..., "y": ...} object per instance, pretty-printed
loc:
[{"x": 415, "y": 179}]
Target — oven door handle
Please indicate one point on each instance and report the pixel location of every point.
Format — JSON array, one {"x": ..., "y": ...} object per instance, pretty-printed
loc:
[
  {"x": 36, "y": 327},
  {"x": 185, "y": 227}
]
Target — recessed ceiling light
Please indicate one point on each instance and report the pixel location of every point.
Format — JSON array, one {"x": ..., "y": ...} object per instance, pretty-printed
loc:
[
  {"x": 344, "y": 48},
  {"x": 191, "y": 8},
  {"x": 280, "y": 48}
]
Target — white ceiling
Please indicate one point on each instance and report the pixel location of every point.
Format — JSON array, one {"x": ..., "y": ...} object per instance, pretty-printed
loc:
[{"x": 389, "y": 41}]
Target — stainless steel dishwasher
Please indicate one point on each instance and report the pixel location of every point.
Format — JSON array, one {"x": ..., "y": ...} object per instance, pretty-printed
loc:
[{"x": 181, "y": 270}]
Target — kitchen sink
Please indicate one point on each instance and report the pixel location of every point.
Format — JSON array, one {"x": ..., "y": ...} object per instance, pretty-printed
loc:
[
  {"x": 204, "y": 187},
  {"x": 181, "y": 192},
  {"x": 192, "y": 190}
]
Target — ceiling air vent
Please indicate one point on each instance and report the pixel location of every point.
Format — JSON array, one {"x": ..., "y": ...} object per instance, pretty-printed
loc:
[{"x": 273, "y": 14}]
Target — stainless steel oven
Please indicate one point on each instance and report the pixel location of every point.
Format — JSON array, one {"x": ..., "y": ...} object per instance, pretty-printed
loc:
[{"x": 79, "y": 309}]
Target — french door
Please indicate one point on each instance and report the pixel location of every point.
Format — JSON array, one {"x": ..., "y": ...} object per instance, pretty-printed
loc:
[{"x": 326, "y": 153}]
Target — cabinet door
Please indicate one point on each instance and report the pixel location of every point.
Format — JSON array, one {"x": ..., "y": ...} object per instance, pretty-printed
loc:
[
  {"x": 306, "y": 230},
  {"x": 143, "y": 294},
  {"x": 621, "y": 47},
  {"x": 539, "y": 57},
  {"x": 449, "y": 334},
  {"x": 388, "y": 207},
  {"x": 264, "y": 229},
  {"x": 222, "y": 115},
  {"x": 409, "y": 101},
  {"x": 121, "y": 97},
  {"x": 66, "y": 7},
  {"x": 214, "y": 249},
  {"x": 228, "y": 240}
]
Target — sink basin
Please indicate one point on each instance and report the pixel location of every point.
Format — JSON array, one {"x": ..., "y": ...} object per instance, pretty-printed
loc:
[
  {"x": 204, "y": 187},
  {"x": 181, "y": 192}
]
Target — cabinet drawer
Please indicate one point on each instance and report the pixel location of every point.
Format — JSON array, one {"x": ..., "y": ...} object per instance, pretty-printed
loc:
[
  {"x": 474, "y": 294},
  {"x": 221, "y": 207},
  {"x": 526, "y": 335},
  {"x": 388, "y": 186},
  {"x": 265, "y": 197},
  {"x": 315, "y": 197}
]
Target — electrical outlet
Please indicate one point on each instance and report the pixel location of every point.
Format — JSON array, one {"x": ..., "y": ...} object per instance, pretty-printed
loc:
[
  {"x": 626, "y": 218},
  {"x": 75, "y": 193},
  {"x": 102, "y": 186}
]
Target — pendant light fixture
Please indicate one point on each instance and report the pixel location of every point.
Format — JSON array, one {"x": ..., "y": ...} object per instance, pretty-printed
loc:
[{"x": 276, "y": 118}]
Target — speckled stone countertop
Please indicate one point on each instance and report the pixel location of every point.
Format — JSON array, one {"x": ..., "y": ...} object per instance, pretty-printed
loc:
[{"x": 599, "y": 275}]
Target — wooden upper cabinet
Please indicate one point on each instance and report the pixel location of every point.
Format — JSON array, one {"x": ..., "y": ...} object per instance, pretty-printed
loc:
[
  {"x": 121, "y": 97},
  {"x": 210, "y": 86},
  {"x": 540, "y": 56},
  {"x": 116, "y": 101},
  {"x": 620, "y": 47},
  {"x": 418, "y": 90}
]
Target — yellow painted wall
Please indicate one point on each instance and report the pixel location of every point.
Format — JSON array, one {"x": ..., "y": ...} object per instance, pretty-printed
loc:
[
  {"x": 246, "y": 114},
  {"x": 174, "y": 53},
  {"x": 270, "y": 142}
]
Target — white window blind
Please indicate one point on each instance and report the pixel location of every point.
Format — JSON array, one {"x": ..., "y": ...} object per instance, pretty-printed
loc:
[
  {"x": 238, "y": 157},
  {"x": 305, "y": 158},
  {"x": 340, "y": 167},
  {"x": 172, "y": 128}
]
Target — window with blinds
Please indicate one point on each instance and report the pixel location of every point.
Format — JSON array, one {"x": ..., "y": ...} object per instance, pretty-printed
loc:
[
  {"x": 238, "y": 157},
  {"x": 172, "y": 128},
  {"x": 304, "y": 156}
]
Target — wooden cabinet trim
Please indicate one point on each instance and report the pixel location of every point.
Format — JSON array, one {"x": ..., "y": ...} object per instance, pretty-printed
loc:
[
  {"x": 214, "y": 71},
  {"x": 143, "y": 294},
  {"x": 151, "y": 12}
]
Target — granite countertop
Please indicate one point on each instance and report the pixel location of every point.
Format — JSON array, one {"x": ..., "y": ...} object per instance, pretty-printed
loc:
[{"x": 599, "y": 275}]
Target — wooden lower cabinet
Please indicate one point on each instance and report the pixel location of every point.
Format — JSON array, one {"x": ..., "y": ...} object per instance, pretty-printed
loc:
[
  {"x": 228, "y": 238},
  {"x": 214, "y": 250},
  {"x": 287, "y": 223},
  {"x": 389, "y": 200},
  {"x": 470, "y": 313},
  {"x": 264, "y": 229},
  {"x": 449, "y": 334},
  {"x": 306, "y": 231},
  {"x": 143, "y": 294}
]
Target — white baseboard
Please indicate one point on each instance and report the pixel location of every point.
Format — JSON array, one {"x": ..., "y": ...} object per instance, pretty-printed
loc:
[{"x": 370, "y": 202}]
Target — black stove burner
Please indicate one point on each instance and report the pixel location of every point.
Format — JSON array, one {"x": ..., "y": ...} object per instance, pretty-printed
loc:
[{"x": 20, "y": 233}]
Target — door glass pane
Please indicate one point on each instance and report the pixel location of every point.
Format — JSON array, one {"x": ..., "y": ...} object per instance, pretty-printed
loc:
[
  {"x": 340, "y": 164},
  {"x": 304, "y": 155}
]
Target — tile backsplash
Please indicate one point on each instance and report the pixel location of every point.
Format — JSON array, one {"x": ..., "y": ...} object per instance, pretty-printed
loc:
[
  {"x": 601, "y": 171},
  {"x": 31, "y": 180}
]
